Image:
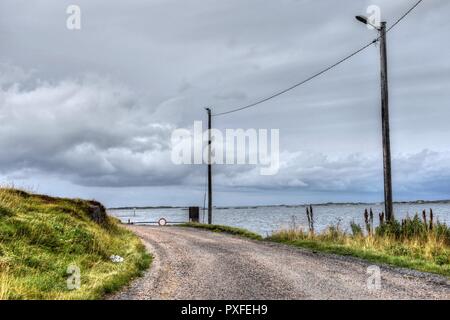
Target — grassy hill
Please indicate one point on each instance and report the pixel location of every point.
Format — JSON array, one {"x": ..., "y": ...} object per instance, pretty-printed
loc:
[{"x": 41, "y": 237}]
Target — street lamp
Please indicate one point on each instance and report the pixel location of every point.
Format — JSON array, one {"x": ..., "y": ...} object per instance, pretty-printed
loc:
[
  {"x": 366, "y": 21},
  {"x": 384, "y": 118}
]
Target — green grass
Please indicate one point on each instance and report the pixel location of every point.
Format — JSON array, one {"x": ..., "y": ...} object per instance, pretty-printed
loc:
[
  {"x": 41, "y": 236},
  {"x": 225, "y": 229},
  {"x": 371, "y": 254},
  {"x": 409, "y": 246}
]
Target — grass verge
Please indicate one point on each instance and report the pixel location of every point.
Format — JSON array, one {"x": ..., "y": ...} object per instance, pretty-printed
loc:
[
  {"x": 410, "y": 245},
  {"x": 370, "y": 253},
  {"x": 413, "y": 243},
  {"x": 41, "y": 236},
  {"x": 225, "y": 229}
]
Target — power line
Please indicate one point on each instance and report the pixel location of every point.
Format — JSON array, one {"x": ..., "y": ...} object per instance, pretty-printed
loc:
[
  {"x": 404, "y": 16},
  {"x": 320, "y": 72},
  {"x": 298, "y": 84}
]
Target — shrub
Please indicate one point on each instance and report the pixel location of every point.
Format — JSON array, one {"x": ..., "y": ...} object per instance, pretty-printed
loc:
[
  {"x": 389, "y": 229},
  {"x": 356, "y": 229},
  {"x": 442, "y": 231}
]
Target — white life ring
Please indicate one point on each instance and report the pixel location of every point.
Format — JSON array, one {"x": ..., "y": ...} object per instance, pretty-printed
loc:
[{"x": 162, "y": 222}]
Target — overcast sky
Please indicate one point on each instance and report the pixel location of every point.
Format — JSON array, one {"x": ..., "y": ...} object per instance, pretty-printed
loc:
[{"x": 89, "y": 113}]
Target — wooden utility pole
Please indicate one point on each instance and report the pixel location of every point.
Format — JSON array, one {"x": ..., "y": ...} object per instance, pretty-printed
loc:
[
  {"x": 385, "y": 123},
  {"x": 208, "y": 110}
]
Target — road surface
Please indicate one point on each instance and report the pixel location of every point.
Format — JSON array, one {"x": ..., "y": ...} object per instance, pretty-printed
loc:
[{"x": 198, "y": 264}]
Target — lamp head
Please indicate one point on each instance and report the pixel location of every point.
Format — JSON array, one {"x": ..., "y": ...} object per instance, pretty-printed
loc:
[{"x": 362, "y": 19}]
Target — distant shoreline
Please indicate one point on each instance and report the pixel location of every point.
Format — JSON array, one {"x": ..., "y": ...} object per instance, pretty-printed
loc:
[{"x": 286, "y": 205}]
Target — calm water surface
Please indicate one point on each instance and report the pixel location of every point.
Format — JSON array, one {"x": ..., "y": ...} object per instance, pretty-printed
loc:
[{"x": 265, "y": 220}]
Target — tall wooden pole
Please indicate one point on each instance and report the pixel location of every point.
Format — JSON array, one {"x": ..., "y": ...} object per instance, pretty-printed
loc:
[
  {"x": 385, "y": 123},
  {"x": 209, "y": 169}
]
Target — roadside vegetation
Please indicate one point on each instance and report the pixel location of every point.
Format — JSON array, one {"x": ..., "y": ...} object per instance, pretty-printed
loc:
[
  {"x": 41, "y": 237},
  {"x": 225, "y": 229},
  {"x": 416, "y": 242}
]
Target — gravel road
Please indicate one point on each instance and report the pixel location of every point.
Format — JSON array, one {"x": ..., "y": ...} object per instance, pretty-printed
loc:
[{"x": 197, "y": 264}]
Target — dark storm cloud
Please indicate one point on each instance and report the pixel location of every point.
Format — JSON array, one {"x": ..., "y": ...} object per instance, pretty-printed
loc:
[{"x": 97, "y": 106}]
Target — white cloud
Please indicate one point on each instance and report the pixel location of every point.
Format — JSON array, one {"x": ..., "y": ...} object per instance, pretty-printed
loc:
[
  {"x": 161, "y": 62},
  {"x": 95, "y": 132},
  {"x": 90, "y": 129}
]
